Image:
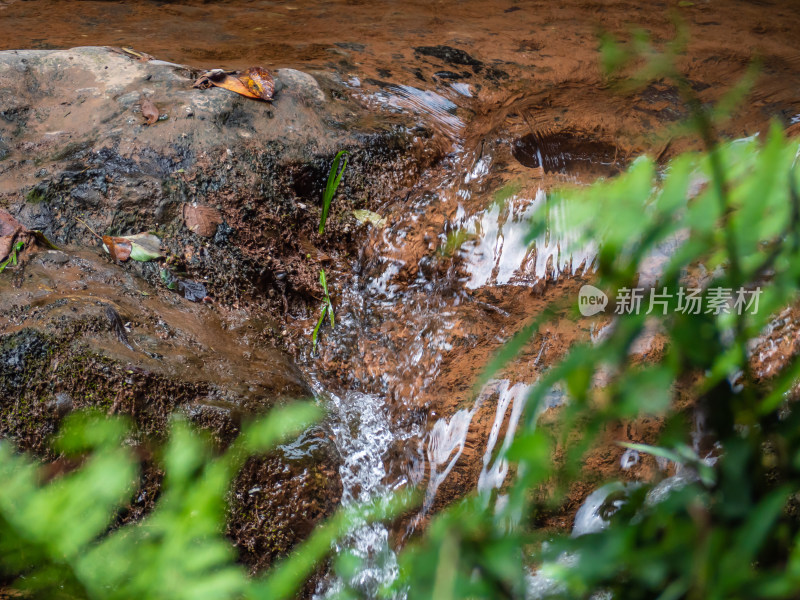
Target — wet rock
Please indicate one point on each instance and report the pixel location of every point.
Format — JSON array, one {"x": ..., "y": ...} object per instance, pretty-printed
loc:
[
  {"x": 79, "y": 331},
  {"x": 75, "y": 115},
  {"x": 448, "y": 54},
  {"x": 90, "y": 316},
  {"x": 20, "y": 356},
  {"x": 224, "y": 232},
  {"x": 54, "y": 256},
  {"x": 300, "y": 83},
  {"x": 192, "y": 290}
]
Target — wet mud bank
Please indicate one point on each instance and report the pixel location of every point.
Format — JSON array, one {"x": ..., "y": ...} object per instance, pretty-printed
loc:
[{"x": 80, "y": 330}]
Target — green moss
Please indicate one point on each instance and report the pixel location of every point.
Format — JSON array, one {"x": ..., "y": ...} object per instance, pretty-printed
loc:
[{"x": 35, "y": 196}]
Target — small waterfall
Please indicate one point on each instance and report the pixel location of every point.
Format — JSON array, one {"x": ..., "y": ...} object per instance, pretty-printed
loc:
[
  {"x": 406, "y": 307},
  {"x": 362, "y": 433}
]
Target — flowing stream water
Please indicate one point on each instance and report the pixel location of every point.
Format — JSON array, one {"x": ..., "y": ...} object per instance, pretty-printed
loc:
[
  {"x": 363, "y": 434},
  {"x": 401, "y": 315}
]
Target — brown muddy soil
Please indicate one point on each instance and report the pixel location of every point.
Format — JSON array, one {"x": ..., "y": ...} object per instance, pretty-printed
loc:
[
  {"x": 442, "y": 105},
  {"x": 506, "y": 50}
]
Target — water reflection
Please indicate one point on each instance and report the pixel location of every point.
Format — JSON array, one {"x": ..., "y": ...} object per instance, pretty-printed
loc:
[
  {"x": 435, "y": 108},
  {"x": 492, "y": 477},
  {"x": 445, "y": 444},
  {"x": 448, "y": 436},
  {"x": 498, "y": 251}
]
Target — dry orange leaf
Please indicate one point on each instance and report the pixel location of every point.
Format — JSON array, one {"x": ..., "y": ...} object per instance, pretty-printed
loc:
[
  {"x": 149, "y": 111},
  {"x": 202, "y": 220},
  {"x": 259, "y": 82},
  {"x": 255, "y": 82},
  {"x": 235, "y": 84}
]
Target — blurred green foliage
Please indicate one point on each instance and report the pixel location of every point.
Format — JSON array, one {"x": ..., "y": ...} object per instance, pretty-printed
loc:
[
  {"x": 728, "y": 532},
  {"x": 728, "y": 217},
  {"x": 57, "y": 539}
]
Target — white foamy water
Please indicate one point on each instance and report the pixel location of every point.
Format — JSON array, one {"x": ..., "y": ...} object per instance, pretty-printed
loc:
[
  {"x": 363, "y": 434},
  {"x": 445, "y": 444}
]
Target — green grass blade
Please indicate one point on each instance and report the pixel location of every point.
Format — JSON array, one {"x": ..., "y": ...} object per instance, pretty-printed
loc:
[
  {"x": 315, "y": 333},
  {"x": 339, "y": 172},
  {"x": 327, "y": 307},
  {"x": 17, "y": 248},
  {"x": 334, "y": 178},
  {"x": 323, "y": 281}
]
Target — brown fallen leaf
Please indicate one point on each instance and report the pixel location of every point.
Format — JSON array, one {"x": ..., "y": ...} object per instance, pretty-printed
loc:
[
  {"x": 254, "y": 82},
  {"x": 12, "y": 231},
  {"x": 149, "y": 111},
  {"x": 259, "y": 82},
  {"x": 202, "y": 220},
  {"x": 119, "y": 248}
]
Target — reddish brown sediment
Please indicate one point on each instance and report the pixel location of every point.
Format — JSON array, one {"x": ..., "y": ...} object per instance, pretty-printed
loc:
[{"x": 526, "y": 48}]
